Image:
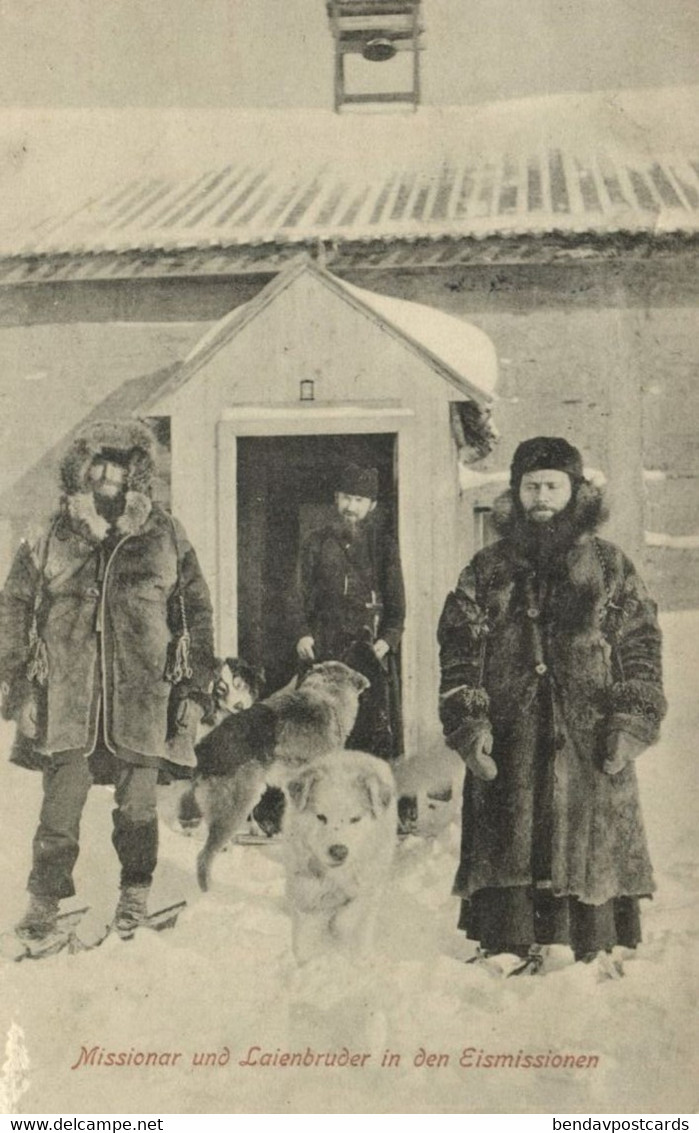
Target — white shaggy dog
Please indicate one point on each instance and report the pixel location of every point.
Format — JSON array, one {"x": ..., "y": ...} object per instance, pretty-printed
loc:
[{"x": 339, "y": 837}]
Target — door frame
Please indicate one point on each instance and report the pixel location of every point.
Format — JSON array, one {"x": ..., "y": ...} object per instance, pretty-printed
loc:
[{"x": 319, "y": 419}]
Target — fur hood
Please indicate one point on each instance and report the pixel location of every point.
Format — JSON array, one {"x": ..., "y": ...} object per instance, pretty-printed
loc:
[
  {"x": 78, "y": 509},
  {"x": 586, "y": 513},
  {"x": 127, "y": 436}
]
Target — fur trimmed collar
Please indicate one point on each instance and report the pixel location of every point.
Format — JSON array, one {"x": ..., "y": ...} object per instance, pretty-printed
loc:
[
  {"x": 84, "y": 517},
  {"x": 587, "y": 512},
  {"x": 583, "y": 516}
]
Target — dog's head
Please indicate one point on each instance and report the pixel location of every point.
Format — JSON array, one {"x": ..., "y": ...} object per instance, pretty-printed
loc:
[
  {"x": 334, "y": 678},
  {"x": 427, "y": 812},
  {"x": 237, "y": 685},
  {"x": 340, "y": 800},
  {"x": 341, "y": 686},
  {"x": 429, "y": 789}
]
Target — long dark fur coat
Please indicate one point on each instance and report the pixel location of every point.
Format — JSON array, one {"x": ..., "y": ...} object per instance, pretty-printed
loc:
[
  {"x": 583, "y": 623},
  {"x": 106, "y": 615}
]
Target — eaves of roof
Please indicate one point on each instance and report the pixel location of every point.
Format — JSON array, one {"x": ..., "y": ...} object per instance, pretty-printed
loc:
[{"x": 556, "y": 246}]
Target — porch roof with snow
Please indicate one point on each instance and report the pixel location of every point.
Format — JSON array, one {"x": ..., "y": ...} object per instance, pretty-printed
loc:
[
  {"x": 241, "y": 190},
  {"x": 458, "y": 351}
]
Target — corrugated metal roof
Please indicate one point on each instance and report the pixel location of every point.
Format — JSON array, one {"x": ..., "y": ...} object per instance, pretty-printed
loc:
[
  {"x": 550, "y": 190},
  {"x": 139, "y": 192}
]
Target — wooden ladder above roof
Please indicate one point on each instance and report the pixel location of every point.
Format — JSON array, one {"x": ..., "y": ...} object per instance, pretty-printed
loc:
[{"x": 376, "y": 30}]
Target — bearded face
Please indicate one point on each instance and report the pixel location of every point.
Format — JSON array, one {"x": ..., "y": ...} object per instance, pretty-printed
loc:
[
  {"x": 544, "y": 493},
  {"x": 353, "y": 510},
  {"x": 108, "y": 483}
]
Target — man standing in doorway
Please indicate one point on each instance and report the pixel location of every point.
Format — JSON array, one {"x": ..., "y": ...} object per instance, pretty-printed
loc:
[
  {"x": 551, "y": 686},
  {"x": 349, "y": 605}
]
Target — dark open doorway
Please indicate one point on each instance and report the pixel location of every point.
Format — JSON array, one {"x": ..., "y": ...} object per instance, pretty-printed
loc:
[{"x": 285, "y": 489}]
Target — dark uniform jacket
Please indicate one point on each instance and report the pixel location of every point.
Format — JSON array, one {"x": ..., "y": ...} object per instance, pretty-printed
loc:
[
  {"x": 348, "y": 594},
  {"x": 348, "y": 590}
]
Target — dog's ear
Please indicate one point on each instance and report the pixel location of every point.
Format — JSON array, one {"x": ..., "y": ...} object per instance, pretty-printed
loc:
[
  {"x": 378, "y": 793},
  {"x": 300, "y": 788},
  {"x": 304, "y": 671},
  {"x": 360, "y": 681}
]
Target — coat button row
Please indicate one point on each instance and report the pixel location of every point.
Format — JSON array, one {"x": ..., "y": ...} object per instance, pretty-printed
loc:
[
  {"x": 541, "y": 669},
  {"x": 532, "y": 612}
]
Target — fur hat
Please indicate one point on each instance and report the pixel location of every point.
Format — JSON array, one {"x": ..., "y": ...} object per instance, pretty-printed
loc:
[
  {"x": 356, "y": 481},
  {"x": 131, "y": 440},
  {"x": 546, "y": 452}
]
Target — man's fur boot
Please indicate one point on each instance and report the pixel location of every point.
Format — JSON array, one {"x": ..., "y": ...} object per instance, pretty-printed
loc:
[
  {"x": 40, "y": 919},
  {"x": 131, "y": 910}
]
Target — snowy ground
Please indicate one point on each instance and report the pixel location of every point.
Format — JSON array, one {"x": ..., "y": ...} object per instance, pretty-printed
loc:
[{"x": 225, "y": 981}]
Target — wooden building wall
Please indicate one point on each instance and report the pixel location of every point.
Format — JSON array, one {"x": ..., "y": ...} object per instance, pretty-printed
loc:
[
  {"x": 605, "y": 352},
  {"x": 607, "y": 355}
]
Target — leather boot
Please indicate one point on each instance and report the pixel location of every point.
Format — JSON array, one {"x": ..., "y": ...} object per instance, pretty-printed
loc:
[
  {"x": 40, "y": 919},
  {"x": 131, "y": 910}
]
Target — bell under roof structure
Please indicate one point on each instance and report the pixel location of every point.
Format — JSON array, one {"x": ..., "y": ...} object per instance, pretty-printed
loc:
[{"x": 376, "y": 31}]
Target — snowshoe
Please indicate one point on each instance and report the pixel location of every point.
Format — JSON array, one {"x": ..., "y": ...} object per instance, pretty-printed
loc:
[
  {"x": 498, "y": 963},
  {"x": 605, "y": 965},
  {"x": 27, "y": 945},
  {"x": 531, "y": 964}
]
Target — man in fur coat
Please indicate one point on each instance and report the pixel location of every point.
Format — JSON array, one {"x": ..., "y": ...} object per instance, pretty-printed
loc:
[
  {"x": 106, "y": 657},
  {"x": 348, "y": 605},
  {"x": 551, "y": 685}
]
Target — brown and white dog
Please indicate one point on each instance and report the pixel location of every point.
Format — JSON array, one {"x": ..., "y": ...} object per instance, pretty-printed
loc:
[
  {"x": 268, "y": 742},
  {"x": 339, "y": 837},
  {"x": 237, "y": 686}
]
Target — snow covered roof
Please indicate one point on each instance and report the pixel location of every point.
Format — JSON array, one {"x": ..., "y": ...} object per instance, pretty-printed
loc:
[
  {"x": 461, "y": 352},
  {"x": 157, "y": 183},
  {"x": 460, "y": 346}
]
